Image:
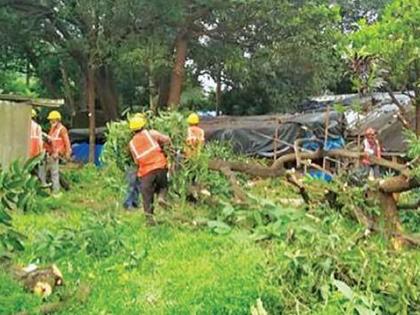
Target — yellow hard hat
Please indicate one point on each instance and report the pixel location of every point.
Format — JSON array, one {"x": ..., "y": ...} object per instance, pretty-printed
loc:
[
  {"x": 54, "y": 115},
  {"x": 137, "y": 122},
  {"x": 34, "y": 113},
  {"x": 193, "y": 119},
  {"x": 139, "y": 115}
]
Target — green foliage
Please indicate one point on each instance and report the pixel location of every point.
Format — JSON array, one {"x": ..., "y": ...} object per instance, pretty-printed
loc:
[
  {"x": 116, "y": 155},
  {"x": 263, "y": 218},
  {"x": 297, "y": 59},
  {"x": 413, "y": 143},
  {"x": 393, "y": 38},
  {"x": 13, "y": 298},
  {"x": 364, "y": 70},
  {"x": 116, "y": 151},
  {"x": 14, "y": 83},
  {"x": 343, "y": 271},
  {"x": 17, "y": 191},
  {"x": 98, "y": 237},
  {"x": 293, "y": 261}
]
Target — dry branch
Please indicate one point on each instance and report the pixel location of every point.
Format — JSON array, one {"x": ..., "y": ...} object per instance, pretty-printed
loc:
[
  {"x": 237, "y": 191},
  {"x": 277, "y": 168},
  {"x": 410, "y": 206},
  {"x": 291, "y": 178},
  {"x": 398, "y": 184}
]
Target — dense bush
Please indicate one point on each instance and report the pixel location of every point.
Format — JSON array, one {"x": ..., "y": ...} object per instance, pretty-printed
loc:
[{"x": 17, "y": 191}]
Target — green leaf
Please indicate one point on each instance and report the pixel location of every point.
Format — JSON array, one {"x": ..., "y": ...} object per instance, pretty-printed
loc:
[
  {"x": 219, "y": 227},
  {"x": 344, "y": 289},
  {"x": 362, "y": 310}
]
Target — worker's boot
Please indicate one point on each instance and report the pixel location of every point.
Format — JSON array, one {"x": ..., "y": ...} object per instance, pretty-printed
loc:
[
  {"x": 162, "y": 199},
  {"x": 150, "y": 220}
]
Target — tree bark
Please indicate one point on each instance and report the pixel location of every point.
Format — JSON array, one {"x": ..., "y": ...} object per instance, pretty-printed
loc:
[
  {"x": 67, "y": 91},
  {"x": 177, "y": 78},
  {"x": 398, "y": 184},
  {"x": 417, "y": 104},
  {"x": 90, "y": 95},
  {"x": 218, "y": 92},
  {"x": 152, "y": 89},
  {"x": 391, "y": 218},
  {"x": 106, "y": 91},
  {"x": 164, "y": 85}
]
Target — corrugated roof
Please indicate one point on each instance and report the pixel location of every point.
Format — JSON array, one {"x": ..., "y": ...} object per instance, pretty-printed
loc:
[{"x": 41, "y": 102}]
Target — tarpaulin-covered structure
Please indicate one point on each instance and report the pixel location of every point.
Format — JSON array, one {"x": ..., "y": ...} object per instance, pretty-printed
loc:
[
  {"x": 269, "y": 136},
  {"x": 275, "y": 135}
]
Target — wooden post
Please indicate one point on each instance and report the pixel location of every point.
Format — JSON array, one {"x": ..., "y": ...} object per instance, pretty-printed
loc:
[
  {"x": 90, "y": 89},
  {"x": 327, "y": 122},
  {"x": 276, "y": 137}
]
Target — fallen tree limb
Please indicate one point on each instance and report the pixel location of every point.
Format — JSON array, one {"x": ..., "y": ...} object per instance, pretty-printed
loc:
[
  {"x": 384, "y": 191},
  {"x": 291, "y": 178},
  {"x": 246, "y": 168},
  {"x": 80, "y": 297},
  {"x": 277, "y": 168},
  {"x": 410, "y": 206},
  {"x": 398, "y": 184},
  {"x": 339, "y": 153},
  {"x": 237, "y": 190}
]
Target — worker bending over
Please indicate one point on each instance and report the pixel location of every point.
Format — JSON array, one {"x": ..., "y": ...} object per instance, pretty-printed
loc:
[
  {"x": 371, "y": 147},
  {"x": 195, "y": 136},
  {"x": 58, "y": 147},
  {"x": 146, "y": 150}
]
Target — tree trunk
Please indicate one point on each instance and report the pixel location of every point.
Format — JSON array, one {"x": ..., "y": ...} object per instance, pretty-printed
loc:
[
  {"x": 164, "y": 85},
  {"x": 152, "y": 89},
  {"x": 107, "y": 93},
  {"x": 28, "y": 73},
  {"x": 417, "y": 104},
  {"x": 67, "y": 91},
  {"x": 391, "y": 218},
  {"x": 90, "y": 95},
  {"x": 218, "y": 92},
  {"x": 178, "y": 71}
]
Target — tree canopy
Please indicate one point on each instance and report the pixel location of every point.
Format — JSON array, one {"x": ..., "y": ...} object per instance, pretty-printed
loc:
[{"x": 253, "y": 56}]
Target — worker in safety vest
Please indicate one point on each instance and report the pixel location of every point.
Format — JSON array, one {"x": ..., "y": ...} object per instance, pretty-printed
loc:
[
  {"x": 36, "y": 143},
  {"x": 195, "y": 136},
  {"x": 131, "y": 201},
  {"x": 146, "y": 150},
  {"x": 58, "y": 146},
  {"x": 36, "y": 147},
  {"x": 371, "y": 147}
]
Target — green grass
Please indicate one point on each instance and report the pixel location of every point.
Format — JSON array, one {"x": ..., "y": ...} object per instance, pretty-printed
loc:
[{"x": 181, "y": 268}]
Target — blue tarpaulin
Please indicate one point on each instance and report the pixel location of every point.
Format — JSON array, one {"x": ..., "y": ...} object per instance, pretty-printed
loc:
[
  {"x": 318, "y": 174},
  {"x": 332, "y": 143},
  {"x": 81, "y": 152}
]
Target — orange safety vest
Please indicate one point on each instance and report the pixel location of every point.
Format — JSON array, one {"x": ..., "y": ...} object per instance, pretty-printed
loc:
[
  {"x": 195, "y": 135},
  {"x": 372, "y": 149},
  {"x": 147, "y": 153},
  {"x": 56, "y": 140},
  {"x": 36, "y": 140},
  {"x": 195, "y": 140}
]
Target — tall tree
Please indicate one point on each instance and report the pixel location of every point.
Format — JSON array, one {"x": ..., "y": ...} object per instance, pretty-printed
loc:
[{"x": 395, "y": 39}]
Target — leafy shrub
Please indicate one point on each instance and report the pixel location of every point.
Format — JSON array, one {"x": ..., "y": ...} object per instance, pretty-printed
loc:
[
  {"x": 99, "y": 236},
  {"x": 117, "y": 157},
  {"x": 17, "y": 191}
]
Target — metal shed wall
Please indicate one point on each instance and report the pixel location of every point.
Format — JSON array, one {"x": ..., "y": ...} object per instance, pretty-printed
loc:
[{"x": 15, "y": 126}]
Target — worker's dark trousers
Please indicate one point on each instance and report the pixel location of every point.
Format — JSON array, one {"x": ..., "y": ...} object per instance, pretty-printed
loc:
[
  {"x": 133, "y": 189},
  {"x": 156, "y": 182}
]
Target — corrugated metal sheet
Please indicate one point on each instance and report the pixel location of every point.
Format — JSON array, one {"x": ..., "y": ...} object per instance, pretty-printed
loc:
[{"x": 15, "y": 123}]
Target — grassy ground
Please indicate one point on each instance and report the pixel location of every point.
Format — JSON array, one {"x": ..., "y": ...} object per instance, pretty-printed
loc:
[{"x": 180, "y": 268}]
